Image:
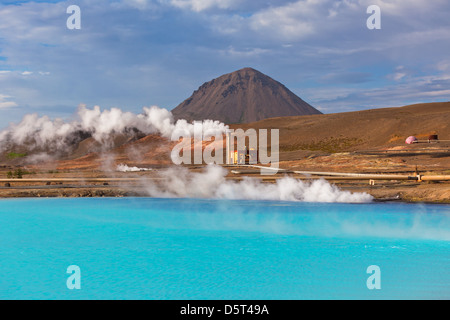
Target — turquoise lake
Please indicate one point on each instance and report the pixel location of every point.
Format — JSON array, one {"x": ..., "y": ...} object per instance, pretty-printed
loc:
[{"x": 167, "y": 249}]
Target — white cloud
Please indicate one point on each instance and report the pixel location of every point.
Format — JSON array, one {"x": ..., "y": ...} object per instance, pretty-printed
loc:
[
  {"x": 443, "y": 65},
  {"x": 249, "y": 52},
  {"x": 6, "y": 104},
  {"x": 138, "y": 4},
  {"x": 297, "y": 20},
  {"x": 400, "y": 73},
  {"x": 31, "y": 21},
  {"x": 399, "y": 76},
  {"x": 201, "y": 5},
  {"x": 141, "y": 4},
  {"x": 27, "y": 73},
  {"x": 292, "y": 21},
  {"x": 404, "y": 7}
]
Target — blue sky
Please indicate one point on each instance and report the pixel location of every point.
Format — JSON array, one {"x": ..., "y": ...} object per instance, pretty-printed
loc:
[{"x": 135, "y": 53}]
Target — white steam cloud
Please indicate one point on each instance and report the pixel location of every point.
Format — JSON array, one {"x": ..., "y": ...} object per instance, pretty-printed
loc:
[
  {"x": 211, "y": 184},
  {"x": 35, "y": 131},
  {"x": 125, "y": 168}
]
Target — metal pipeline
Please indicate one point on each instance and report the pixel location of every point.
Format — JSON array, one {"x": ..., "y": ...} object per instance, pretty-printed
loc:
[{"x": 354, "y": 176}]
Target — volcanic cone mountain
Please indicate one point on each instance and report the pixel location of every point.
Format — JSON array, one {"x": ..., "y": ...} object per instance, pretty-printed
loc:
[{"x": 243, "y": 96}]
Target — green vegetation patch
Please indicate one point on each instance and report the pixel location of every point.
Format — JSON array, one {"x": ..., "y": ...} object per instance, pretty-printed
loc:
[
  {"x": 18, "y": 174},
  {"x": 14, "y": 155}
]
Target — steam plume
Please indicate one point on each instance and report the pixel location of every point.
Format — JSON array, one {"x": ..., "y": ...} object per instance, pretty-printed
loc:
[
  {"x": 180, "y": 182},
  {"x": 125, "y": 168},
  {"x": 55, "y": 135}
]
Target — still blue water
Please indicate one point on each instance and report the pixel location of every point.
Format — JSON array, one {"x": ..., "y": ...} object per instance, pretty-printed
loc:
[{"x": 144, "y": 248}]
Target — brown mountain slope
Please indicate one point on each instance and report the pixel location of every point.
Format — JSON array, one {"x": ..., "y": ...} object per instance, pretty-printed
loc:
[
  {"x": 359, "y": 130},
  {"x": 243, "y": 96}
]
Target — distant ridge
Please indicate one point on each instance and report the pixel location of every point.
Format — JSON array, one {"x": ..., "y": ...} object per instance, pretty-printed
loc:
[{"x": 243, "y": 96}]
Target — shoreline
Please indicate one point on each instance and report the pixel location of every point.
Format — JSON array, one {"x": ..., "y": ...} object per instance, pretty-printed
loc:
[
  {"x": 384, "y": 194},
  {"x": 118, "y": 196}
]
